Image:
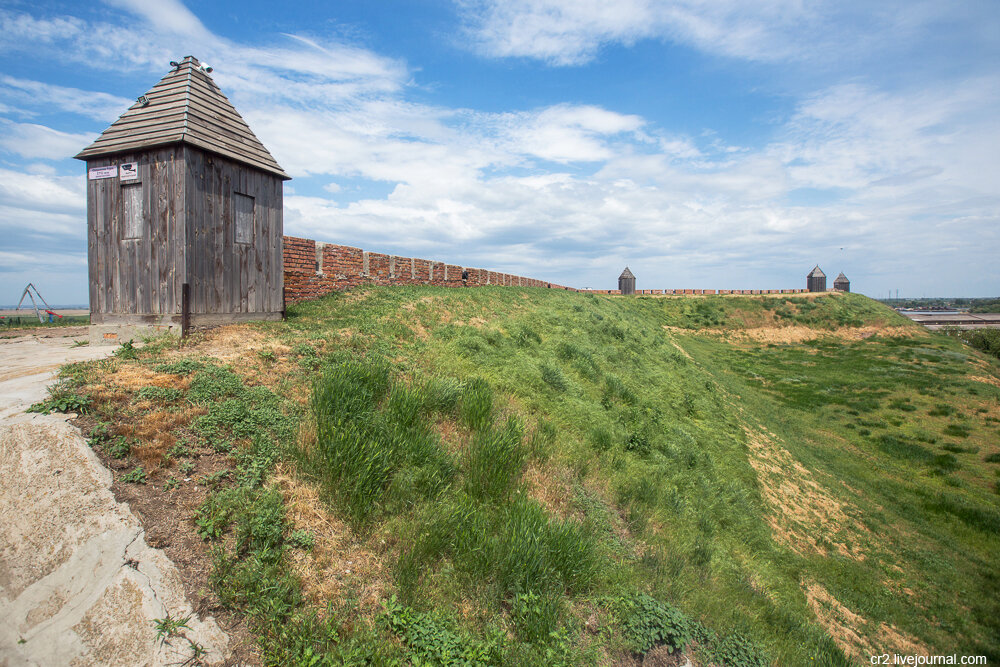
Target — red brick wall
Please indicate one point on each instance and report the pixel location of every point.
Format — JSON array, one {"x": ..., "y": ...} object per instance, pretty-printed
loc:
[{"x": 313, "y": 269}]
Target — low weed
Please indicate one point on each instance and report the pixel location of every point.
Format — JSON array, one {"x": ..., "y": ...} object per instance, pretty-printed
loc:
[
  {"x": 646, "y": 622},
  {"x": 119, "y": 448},
  {"x": 734, "y": 650},
  {"x": 162, "y": 394},
  {"x": 169, "y": 626},
  {"x": 62, "y": 399},
  {"x": 302, "y": 539},
  {"x": 180, "y": 367},
  {"x": 126, "y": 350},
  {"x": 212, "y": 383},
  {"x": 135, "y": 476},
  {"x": 431, "y": 641},
  {"x": 307, "y": 355},
  {"x": 180, "y": 450},
  {"x": 213, "y": 480}
]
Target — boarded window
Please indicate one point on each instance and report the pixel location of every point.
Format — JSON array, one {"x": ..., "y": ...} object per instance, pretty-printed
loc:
[
  {"x": 132, "y": 200},
  {"x": 243, "y": 206}
]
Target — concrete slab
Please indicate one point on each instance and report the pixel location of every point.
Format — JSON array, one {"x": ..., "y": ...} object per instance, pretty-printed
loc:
[{"x": 78, "y": 583}]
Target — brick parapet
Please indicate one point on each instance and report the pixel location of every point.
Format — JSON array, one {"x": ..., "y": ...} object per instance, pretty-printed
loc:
[{"x": 313, "y": 269}]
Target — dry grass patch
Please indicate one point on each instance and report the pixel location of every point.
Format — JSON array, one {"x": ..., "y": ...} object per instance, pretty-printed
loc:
[
  {"x": 792, "y": 334},
  {"x": 804, "y": 515},
  {"x": 339, "y": 566},
  {"x": 551, "y": 487},
  {"x": 155, "y": 433},
  {"x": 133, "y": 377},
  {"x": 800, "y": 334},
  {"x": 229, "y": 343},
  {"x": 985, "y": 379},
  {"x": 454, "y": 436},
  {"x": 852, "y": 632}
]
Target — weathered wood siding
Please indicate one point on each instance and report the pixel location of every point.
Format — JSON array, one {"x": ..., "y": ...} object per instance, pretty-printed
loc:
[
  {"x": 137, "y": 276},
  {"x": 228, "y": 277}
]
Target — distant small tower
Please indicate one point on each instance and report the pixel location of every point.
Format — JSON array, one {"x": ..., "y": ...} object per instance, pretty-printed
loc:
[
  {"x": 842, "y": 284},
  {"x": 626, "y": 282},
  {"x": 816, "y": 280}
]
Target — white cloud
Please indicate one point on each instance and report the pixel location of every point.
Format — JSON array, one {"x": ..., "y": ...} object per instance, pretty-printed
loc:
[
  {"x": 167, "y": 15},
  {"x": 39, "y": 204},
  {"x": 93, "y": 104},
  {"x": 40, "y": 142},
  {"x": 572, "y": 32}
]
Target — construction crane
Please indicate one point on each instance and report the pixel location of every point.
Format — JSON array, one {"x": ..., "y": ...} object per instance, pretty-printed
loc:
[{"x": 48, "y": 309}]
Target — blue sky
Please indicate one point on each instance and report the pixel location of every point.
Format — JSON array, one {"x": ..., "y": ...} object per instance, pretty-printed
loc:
[{"x": 710, "y": 145}]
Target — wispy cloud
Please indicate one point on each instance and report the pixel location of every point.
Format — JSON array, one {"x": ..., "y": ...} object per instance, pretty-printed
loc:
[
  {"x": 38, "y": 141},
  {"x": 572, "y": 32},
  {"x": 35, "y": 94}
]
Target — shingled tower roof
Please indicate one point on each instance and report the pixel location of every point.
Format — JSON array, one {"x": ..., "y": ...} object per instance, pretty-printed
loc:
[
  {"x": 840, "y": 278},
  {"x": 626, "y": 274},
  {"x": 185, "y": 107},
  {"x": 816, "y": 273}
]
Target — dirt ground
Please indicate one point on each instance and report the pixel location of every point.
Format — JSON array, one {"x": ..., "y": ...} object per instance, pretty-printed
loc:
[{"x": 79, "y": 584}]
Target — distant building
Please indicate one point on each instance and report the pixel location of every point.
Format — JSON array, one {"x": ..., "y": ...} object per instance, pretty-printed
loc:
[
  {"x": 842, "y": 284},
  {"x": 626, "y": 282},
  {"x": 184, "y": 212},
  {"x": 816, "y": 280}
]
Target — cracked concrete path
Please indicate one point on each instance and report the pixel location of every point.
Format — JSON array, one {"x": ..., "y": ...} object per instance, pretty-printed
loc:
[{"x": 78, "y": 583}]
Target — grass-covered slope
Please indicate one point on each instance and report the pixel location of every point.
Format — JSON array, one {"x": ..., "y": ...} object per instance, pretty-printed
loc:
[{"x": 501, "y": 476}]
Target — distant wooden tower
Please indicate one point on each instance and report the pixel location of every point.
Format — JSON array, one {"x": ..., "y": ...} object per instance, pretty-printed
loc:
[
  {"x": 184, "y": 211},
  {"x": 816, "y": 280},
  {"x": 842, "y": 284},
  {"x": 626, "y": 282}
]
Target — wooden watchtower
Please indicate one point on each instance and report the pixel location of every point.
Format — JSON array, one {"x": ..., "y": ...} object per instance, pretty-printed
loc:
[
  {"x": 841, "y": 283},
  {"x": 816, "y": 280},
  {"x": 184, "y": 212},
  {"x": 626, "y": 282}
]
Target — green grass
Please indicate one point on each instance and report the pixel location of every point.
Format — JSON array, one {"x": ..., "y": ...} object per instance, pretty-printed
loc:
[
  {"x": 664, "y": 433},
  {"x": 428, "y": 406}
]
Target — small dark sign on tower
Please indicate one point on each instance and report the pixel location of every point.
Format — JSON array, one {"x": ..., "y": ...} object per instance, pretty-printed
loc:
[
  {"x": 184, "y": 211},
  {"x": 842, "y": 284},
  {"x": 816, "y": 280},
  {"x": 626, "y": 282}
]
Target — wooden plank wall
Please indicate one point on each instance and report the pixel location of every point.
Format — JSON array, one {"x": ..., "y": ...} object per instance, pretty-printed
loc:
[
  {"x": 226, "y": 276},
  {"x": 140, "y": 276}
]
